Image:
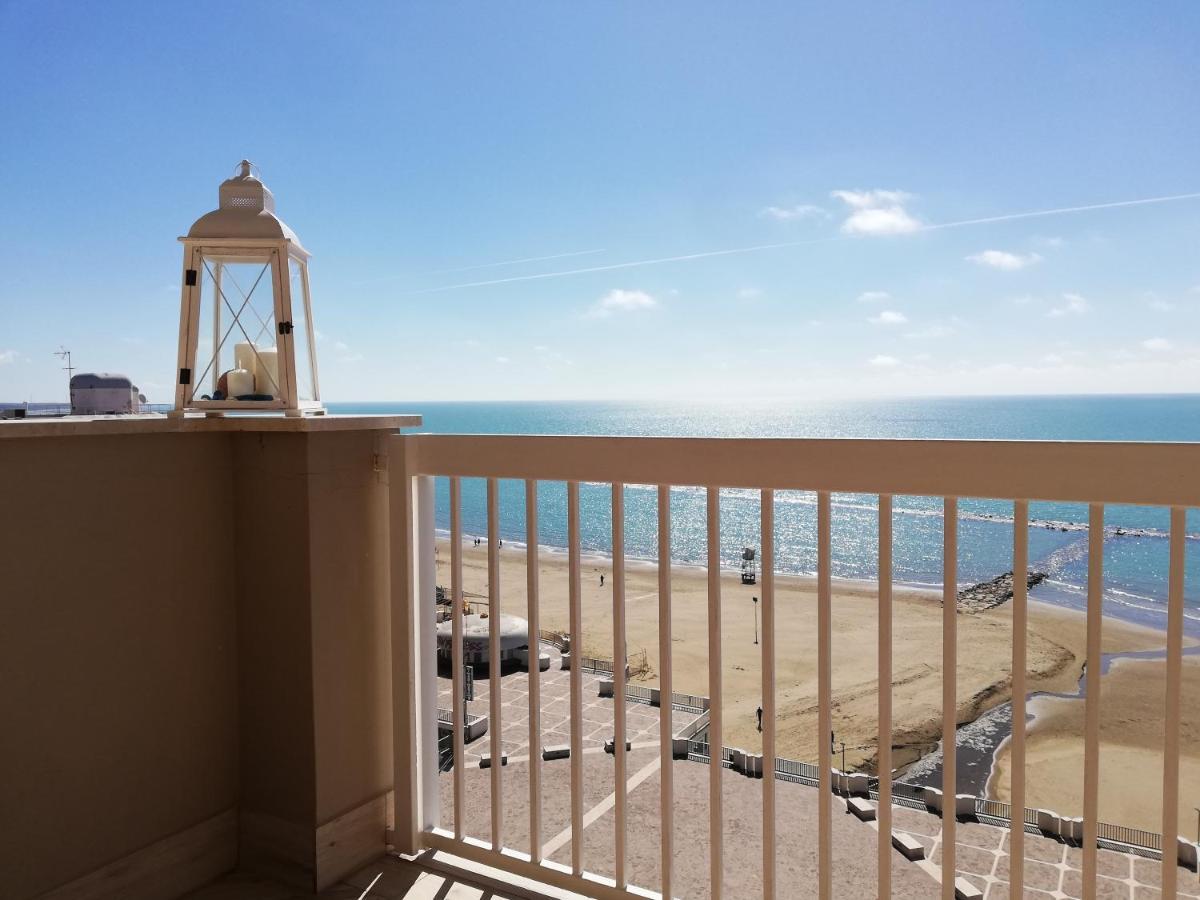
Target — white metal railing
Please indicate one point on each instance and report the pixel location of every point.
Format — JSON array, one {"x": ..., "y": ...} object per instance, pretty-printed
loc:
[{"x": 1093, "y": 473}]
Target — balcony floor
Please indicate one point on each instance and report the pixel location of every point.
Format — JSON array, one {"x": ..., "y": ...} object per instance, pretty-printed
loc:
[{"x": 400, "y": 880}]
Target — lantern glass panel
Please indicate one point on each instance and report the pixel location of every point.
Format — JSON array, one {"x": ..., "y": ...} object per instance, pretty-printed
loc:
[
  {"x": 236, "y": 354},
  {"x": 302, "y": 335}
]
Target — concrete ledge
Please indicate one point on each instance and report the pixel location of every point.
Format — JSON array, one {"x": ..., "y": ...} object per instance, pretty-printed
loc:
[
  {"x": 964, "y": 890},
  {"x": 610, "y": 746},
  {"x": 910, "y": 848},
  {"x": 864, "y": 809},
  {"x": 679, "y": 748},
  {"x": 94, "y": 425},
  {"x": 557, "y": 751},
  {"x": 566, "y": 661},
  {"x": 485, "y": 762},
  {"x": 606, "y": 687}
]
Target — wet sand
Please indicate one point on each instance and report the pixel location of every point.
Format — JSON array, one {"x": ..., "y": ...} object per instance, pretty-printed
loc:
[{"x": 1131, "y": 734}]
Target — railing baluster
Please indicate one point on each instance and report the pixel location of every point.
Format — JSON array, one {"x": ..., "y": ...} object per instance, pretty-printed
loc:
[
  {"x": 495, "y": 727},
  {"x": 767, "y": 509},
  {"x": 716, "y": 756},
  {"x": 884, "y": 752},
  {"x": 458, "y": 702},
  {"x": 1091, "y": 703},
  {"x": 824, "y": 699},
  {"x": 1170, "y": 803},
  {"x": 618, "y": 590},
  {"x": 949, "y": 691},
  {"x": 535, "y": 670},
  {"x": 576, "y": 680},
  {"x": 1020, "y": 621},
  {"x": 665, "y": 705}
]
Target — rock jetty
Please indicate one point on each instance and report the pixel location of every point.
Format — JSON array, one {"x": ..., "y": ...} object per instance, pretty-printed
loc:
[{"x": 989, "y": 594}]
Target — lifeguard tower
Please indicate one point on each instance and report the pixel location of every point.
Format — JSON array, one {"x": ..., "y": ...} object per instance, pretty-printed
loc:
[{"x": 749, "y": 566}]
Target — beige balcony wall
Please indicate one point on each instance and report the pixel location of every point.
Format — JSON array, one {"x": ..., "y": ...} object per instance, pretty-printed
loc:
[
  {"x": 194, "y": 653},
  {"x": 118, "y": 677}
]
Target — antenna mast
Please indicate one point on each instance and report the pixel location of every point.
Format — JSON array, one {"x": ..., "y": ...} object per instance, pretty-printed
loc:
[{"x": 64, "y": 354}]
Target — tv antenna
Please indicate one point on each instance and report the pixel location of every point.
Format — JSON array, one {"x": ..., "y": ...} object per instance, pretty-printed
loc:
[{"x": 64, "y": 354}]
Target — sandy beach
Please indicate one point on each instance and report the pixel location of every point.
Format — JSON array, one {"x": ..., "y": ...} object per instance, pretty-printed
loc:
[
  {"x": 1056, "y": 649},
  {"x": 1131, "y": 756}
]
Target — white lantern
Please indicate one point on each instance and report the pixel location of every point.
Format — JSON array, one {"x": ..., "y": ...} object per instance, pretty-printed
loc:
[{"x": 245, "y": 324}]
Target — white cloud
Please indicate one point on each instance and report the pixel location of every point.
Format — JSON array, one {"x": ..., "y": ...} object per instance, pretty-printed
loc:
[
  {"x": 7, "y": 357},
  {"x": 1156, "y": 345},
  {"x": 932, "y": 331},
  {"x": 793, "y": 213},
  {"x": 341, "y": 346},
  {"x": 874, "y": 296},
  {"x": 1053, "y": 359},
  {"x": 883, "y": 362},
  {"x": 877, "y": 212},
  {"x": 749, "y": 293},
  {"x": 1001, "y": 259},
  {"x": 1156, "y": 302},
  {"x": 888, "y": 317},
  {"x": 1023, "y": 300},
  {"x": 619, "y": 300},
  {"x": 503, "y": 360},
  {"x": 1074, "y": 305}
]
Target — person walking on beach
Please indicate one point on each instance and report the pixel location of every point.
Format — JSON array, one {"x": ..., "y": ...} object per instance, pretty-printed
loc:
[
  {"x": 760, "y": 719},
  {"x": 602, "y": 581}
]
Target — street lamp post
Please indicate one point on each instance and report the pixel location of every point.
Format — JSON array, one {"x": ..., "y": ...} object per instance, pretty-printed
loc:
[{"x": 755, "y": 599}]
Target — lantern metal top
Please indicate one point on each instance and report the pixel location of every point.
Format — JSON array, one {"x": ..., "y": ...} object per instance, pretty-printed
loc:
[{"x": 246, "y": 210}]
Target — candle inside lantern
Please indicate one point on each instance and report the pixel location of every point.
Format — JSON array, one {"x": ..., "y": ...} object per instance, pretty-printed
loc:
[
  {"x": 239, "y": 382},
  {"x": 267, "y": 375},
  {"x": 244, "y": 358}
]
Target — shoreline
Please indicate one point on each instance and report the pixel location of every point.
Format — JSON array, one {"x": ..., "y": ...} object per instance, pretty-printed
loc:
[
  {"x": 1123, "y": 612},
  {"x": 1056, "y": 645}
]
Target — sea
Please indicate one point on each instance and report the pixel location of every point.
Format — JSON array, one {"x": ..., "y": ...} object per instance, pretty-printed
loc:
[{"x": 1135, "y": 545}]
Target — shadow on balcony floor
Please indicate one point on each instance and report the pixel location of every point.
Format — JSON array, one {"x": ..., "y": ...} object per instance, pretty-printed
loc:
[{"x": 399, "y": 880}]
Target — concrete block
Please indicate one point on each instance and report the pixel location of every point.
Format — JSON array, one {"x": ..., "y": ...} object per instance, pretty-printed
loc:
[
  {"x": 964, "y": 890},
  {"x": 679, "y": 748},
  {"x": 485, "y": 762},
  {"x": 606, "y": 687},
  {"x": 566, "y": 662},
  {"x": 1187, "y": 853},
  {"x": 655, "y": 697},
  {"x": 964, "y": 806},
  {"x": 910, "y": 848},
  {"x": 858, "y": 785},
  {"x": 610, "y": 746},
  {"x": 864, "y": 809},
  {"x": 557, "y": 751},
  {"x": 1047, "y": 821},
  {"x": 1077, "y": 828},
  {"x": 933, "y": 799}
]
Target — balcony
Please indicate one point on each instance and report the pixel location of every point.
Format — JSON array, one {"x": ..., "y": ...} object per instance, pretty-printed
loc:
[{"x": 226, "y": 662}]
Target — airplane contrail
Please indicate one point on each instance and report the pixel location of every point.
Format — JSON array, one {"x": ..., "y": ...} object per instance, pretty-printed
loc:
[
  {"x": 513, "y": 262},
  {"x": 707, "y": 254}
]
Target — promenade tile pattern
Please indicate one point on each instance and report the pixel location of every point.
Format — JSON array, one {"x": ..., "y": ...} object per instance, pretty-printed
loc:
[{"x": 1052, "y": 869}]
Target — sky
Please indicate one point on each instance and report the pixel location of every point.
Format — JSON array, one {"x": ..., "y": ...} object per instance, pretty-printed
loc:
[{"x": 621, "y": 200}]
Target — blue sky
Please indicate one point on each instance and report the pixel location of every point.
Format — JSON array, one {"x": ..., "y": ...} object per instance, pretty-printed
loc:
[{"x": 412, "y": 146}]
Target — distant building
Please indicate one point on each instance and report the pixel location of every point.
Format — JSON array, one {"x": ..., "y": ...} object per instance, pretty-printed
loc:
[{"x": 104, "y": 394}]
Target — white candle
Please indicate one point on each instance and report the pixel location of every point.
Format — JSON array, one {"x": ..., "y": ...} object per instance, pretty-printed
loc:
[
  {"x": 243, "y": 358},
  {"x": 239, "y": 382},
  {"x": 267, "y": 377}
]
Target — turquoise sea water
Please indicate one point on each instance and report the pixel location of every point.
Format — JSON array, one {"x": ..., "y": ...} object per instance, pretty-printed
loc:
[{"x": 1135, "y": 564}]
